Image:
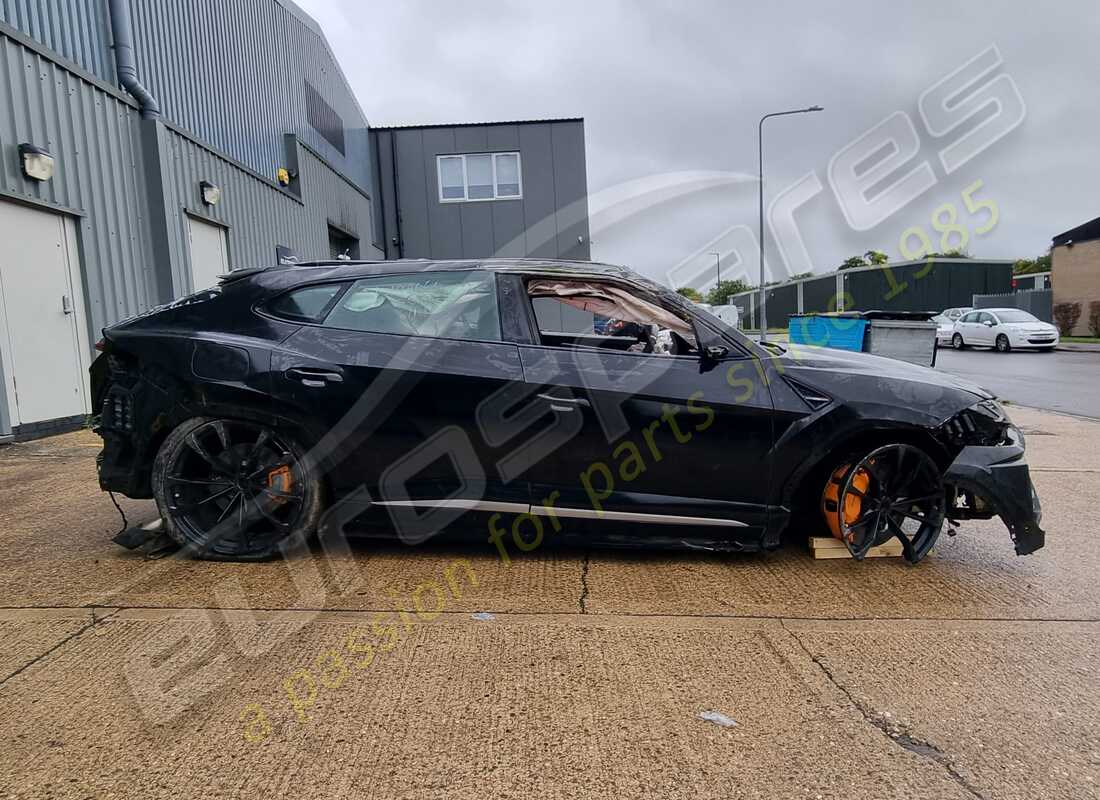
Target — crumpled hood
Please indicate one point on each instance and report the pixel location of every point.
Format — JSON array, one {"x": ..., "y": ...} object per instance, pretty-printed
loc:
[{"x": 842, "y": 362}]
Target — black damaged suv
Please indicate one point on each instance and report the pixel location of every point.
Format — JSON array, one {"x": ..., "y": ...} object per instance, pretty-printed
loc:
[{"x": 579, "y": 398}]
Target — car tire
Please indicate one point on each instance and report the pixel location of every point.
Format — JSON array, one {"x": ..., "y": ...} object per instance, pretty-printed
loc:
[
  {"x": 211, "y": 475},
  {"x": 908, "y": 470},
  {"x": 1003, "y": 345},
  {"x": 957, "y": 342}
]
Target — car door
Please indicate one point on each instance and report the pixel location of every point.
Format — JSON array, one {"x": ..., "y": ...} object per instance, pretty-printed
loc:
[
  {"x": 646, "y": 439},
  {"x": 983, "y": 329},
  {"x": 966, "y": 325},
  {"x": 993, "y": 329},
  {"x": 389, "y": 376}
]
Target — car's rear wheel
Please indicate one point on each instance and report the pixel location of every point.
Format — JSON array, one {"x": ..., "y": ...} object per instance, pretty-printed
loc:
[
  {"x": 1003, "y": 345},
  {"x": 893, "y": 492},
  {"x": 957, "y": 342},
  {"x": 235, "y": 490}
]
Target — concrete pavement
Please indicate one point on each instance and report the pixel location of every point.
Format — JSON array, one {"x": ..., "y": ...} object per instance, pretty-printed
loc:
[{"x": 974, "y": 674}]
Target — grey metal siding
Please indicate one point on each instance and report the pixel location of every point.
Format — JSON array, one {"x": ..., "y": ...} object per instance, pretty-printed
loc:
[
  {"x": 1031, "y": 281},
  {"x": 910, "y": 286},
  {"x": 257, "y": 214},
  {"x": 94, "y": 138},
  {"x": 819, "y": 294},
  {"x": 232, "y": 73},
  {"x": 570, "y": 190},
  {"x": 330, "y": 197},
  {"x": 539, "y": 203},
  {"x": 913, "y": 287},
  {"x": 508, "y": 217},
  {"x": 1039, "y": 302},
  {"x": 550, "y": 220},
  {"x": 782, "y": 302},
  {"x": 746, "y": 306},
  {"x": 77, "y": 30}
]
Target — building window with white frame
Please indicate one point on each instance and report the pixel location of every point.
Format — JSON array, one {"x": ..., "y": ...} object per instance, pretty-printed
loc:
[{"x": 479, "y": 176}]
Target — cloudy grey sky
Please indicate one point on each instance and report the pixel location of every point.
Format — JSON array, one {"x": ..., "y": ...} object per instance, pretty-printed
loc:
[{"x": 673, "y": 87}]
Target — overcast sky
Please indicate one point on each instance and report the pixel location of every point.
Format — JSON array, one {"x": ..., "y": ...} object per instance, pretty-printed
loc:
[{"x": 669, "y": 88}]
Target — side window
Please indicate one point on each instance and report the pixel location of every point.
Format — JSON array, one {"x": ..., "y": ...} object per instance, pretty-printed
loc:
[
  {"x": 447, "y": 305},
  {"x": 305, "y": 305},
  {"x": 971, "y": 317},
  {"x": 603, "y": 315},
  {"x": 984, "y": 318}
]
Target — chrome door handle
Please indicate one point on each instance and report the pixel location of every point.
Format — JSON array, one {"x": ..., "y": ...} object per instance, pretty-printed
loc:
[
  {"x": 313, "y": 378},
  {"x": 565, "y": 403}
]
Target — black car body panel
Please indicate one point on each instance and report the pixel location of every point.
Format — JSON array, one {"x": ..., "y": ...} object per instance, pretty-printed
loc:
[
  {"x": 713, "y": 449},
  {"x": 999, "y": 477}
]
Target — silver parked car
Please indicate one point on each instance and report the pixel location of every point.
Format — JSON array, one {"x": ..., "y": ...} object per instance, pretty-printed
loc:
[
  {"x": 1003, "y": 329},
  {"x": 953, "y": 314},
  {"x": 945, "y": 329}
]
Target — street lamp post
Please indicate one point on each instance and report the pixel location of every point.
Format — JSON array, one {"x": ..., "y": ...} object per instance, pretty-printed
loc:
[
  {"x": 718, "y": 268},
  {"x": 760, "y": 153}
]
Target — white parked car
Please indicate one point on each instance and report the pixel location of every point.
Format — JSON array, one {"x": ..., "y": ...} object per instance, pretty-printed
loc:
[
  {"x": 945, "y": 329},
  {"x": 1003, "y": 329}
]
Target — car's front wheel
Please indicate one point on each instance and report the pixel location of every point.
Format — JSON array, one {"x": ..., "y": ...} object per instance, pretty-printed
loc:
[
  {"x": 1003, "y": 345},
  {"x": 235, "y": 490},
  {"x": 957, "y": 342},
  {"x": 892, "y": 492}
]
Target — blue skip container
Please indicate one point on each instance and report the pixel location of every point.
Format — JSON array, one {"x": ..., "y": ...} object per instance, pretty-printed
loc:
[{"x": 843, "y": 332}]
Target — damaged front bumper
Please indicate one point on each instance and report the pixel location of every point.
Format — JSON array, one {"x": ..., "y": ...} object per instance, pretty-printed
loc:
[{"x": 995, "y": 481}]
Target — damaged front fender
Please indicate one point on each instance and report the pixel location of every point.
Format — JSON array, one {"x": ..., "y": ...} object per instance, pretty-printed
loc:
[{"x": 995, "y": 480}]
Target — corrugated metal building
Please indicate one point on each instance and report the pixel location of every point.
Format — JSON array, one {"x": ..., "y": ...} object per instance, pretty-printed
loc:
[
  {"x": 548, "y": 215},
  {"x": 242, "y": 144}
]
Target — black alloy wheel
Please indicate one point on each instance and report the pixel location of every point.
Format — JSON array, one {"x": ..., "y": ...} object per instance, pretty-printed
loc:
[
  {"x": 1003, "y": 345},
  {"x": 234, "y": 490},
  {"x": 903, "y": 498},
  {"x": 957, "y": 342}
]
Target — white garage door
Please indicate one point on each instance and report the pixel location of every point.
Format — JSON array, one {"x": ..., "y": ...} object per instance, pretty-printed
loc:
[
  {"x": 43, "y": 315},
  {"x": 209, "y": 253}
]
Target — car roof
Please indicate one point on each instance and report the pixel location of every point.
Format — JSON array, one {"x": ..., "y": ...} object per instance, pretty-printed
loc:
[
  {"x": 406, "y": 265},
  {"x": 302, "y": 272}
]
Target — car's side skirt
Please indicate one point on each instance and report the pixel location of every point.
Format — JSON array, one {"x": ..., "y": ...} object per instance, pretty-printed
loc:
[
  {"x": 634, "y": 516},
  {"x": 565, "y": 512}
]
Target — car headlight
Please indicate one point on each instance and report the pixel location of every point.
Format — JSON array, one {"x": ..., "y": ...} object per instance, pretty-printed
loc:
[{"x": 985, "y": 424}]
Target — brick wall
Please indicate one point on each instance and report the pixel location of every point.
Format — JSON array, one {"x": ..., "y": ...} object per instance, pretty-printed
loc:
[{"x": 1075, "y": 273}]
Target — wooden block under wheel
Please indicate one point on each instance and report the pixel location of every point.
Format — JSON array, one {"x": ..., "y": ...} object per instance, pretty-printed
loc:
[{"x": 824, "y": 547}]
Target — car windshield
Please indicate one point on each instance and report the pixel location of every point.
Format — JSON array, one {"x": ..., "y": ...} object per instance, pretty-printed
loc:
[{"x": 1015, "y": 315}]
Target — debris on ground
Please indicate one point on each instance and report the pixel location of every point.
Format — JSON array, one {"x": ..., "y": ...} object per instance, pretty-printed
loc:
[
  {"x": 718, "y": 718},
  {"x": 149, "y": 538}
]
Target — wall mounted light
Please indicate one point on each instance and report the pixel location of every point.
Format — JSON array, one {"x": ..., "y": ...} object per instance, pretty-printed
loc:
[
  {"x": 211, "y": 193},
  {"x": 37, "y": 163}
]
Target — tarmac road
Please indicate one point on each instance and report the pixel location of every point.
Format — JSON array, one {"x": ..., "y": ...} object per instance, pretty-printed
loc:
[
  {"x": 564, "y": 674},
  {"x": 1065, "y": 381}
]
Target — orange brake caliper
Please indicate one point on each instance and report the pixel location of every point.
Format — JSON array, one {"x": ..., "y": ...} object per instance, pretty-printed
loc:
[
  {"x": 853, "y": 504},
  {"x": 280, "y": 480}
]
